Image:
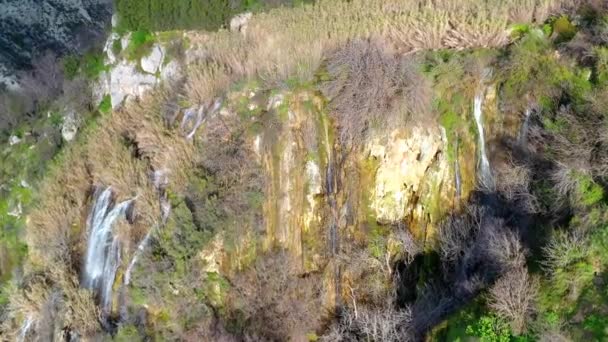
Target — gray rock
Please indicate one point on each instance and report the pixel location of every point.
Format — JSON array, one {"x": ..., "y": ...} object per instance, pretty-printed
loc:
[
  {"x": 69, "y": 128},
  {"x": 239, "y": 22},
  {"x": 29, "y": 27},
  {"x": 13, "y": 140},
  {"x": 126, "y": 81},
  {"x": 153, "y": 62}
]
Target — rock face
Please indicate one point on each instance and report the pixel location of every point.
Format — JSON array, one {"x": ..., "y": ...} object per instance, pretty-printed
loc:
[
  {"x": 62, "y": 26},
  {"x": 129, "y": 79},
  {"x": 126, "y": 81},
  {"x": 405, "y": 164}
]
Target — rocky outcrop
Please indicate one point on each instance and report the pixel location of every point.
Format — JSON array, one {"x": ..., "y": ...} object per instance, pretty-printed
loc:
[
  {"x": 411, "y": 167},
  {"x": 31, "y": 27},
  {"x": 153, "y": 62},
  {"x": 239, "y": 23},
  {"x": 130, "y": 79}
]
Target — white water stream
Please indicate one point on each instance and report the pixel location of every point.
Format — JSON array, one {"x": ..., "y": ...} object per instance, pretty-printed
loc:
[
  {"x": 103, "y": 249},
  {"x": 523, "y": 133},
  {"x": 485, "y": 173}
]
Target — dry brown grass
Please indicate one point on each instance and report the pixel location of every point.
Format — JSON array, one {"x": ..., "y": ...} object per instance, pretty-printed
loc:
[
  {"x": 286, "y": 43},
  {"x": 121, "y": 152}
]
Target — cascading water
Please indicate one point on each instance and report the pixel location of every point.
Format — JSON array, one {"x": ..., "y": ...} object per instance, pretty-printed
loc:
[
  {"x": 523, "y": 133},
  {"x": 25, "y": 328},
  {"x": 103, "y": 249},
  {"x": 485, "y": 173},
  {"x": 457, "y": 177}
]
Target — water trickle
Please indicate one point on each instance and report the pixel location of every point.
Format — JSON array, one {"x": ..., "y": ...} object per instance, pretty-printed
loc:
[
  {"x": 140, "y": 249},
  {"x": 485, "y": 173},
  {"x": 103, "y": 248},
  {"x": 25, "y": 328},
  {"x": 523, "y": 133},
  {"x": 457, "y": 177}
]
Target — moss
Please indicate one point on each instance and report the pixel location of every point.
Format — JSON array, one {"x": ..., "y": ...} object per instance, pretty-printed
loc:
[
  {"x": 563, "y": 28},
  {"x": 127, "y": 333},
  {"x": 140, "y": 45},
  {"x": 589, "y": 192}
]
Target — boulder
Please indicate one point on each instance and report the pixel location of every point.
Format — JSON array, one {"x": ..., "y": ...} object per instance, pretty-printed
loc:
[
  {"x": 239, "y": 23},
  {"x": 13, "y": 140},
  {"x": 153, "y": 62},
  {"x": 69, "y": 127}
]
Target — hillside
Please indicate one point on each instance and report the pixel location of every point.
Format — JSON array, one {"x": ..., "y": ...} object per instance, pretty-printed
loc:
[{"x": 365, "y": 170}]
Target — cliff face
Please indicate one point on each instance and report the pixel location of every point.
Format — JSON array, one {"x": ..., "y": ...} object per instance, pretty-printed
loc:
[
  {"x": 29, "y": 28},
  {"x": 246, "y": 207}
]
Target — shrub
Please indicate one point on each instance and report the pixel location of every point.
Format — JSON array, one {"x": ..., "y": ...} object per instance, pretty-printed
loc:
[
  {"x": 563, "y": 29},
  {"x": 490, "y": 329},
  {"x": 140, "y": 44},
  {"x": 93, "y": 65},
  {"x": 159, "y": 15},
  {"x": 512, "y": 297},
  {"x": 371, "y": 324},
  {"x": 564, "y": 249},
  {"x": 105, "y": 106},
  {"x": 366, "y": 83}
]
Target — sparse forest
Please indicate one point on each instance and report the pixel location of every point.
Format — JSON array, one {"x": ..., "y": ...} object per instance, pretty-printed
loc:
[{"x": 365, "y": 170}]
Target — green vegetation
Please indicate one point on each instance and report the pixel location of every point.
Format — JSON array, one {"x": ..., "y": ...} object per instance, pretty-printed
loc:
[
  {"x": 90, "y": 66},
  {"x": 105, "y": 106},
  {"x": 161, "y": 15},
  {"x": 140, "y": 45},
  {"x": 242, "y": 257}
]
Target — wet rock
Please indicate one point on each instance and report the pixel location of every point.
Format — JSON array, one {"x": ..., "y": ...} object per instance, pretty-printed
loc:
[{"x": 404, "y": 163}]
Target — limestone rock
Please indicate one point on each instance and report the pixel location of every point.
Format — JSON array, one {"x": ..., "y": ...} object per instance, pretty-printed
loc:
[
  {"x": 30, "y": 27},
  {"x": 239, "y": 23},
  {"x": 126, "y": 81},
  {"x": 171, "y": 71},
  {"x": 107, "y": 49},
  {"x": 153, "y": 62},
  {"x": 69, "y": 127},
  {"x": 13, "y": 140},
  {"x": 404, "y": 162}
]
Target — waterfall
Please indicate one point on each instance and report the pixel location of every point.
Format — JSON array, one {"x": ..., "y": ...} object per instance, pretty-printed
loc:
[
  {"x": 485, "y": 173},
  {"x": 523, "y": 133},
  {"x": 140, "y": 249},
  {"x": 457, "y": 177},
  {"x": 25, "y": 328},
  {"x": 198, "y": 117},
  {"x": 103, "y": 249}
]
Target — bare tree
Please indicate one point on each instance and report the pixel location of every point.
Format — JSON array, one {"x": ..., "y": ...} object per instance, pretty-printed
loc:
[
  {"x": 380, "y": 324},
  {"x": 371, "y": 86},
  {"x": 512, "y": 297}
]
